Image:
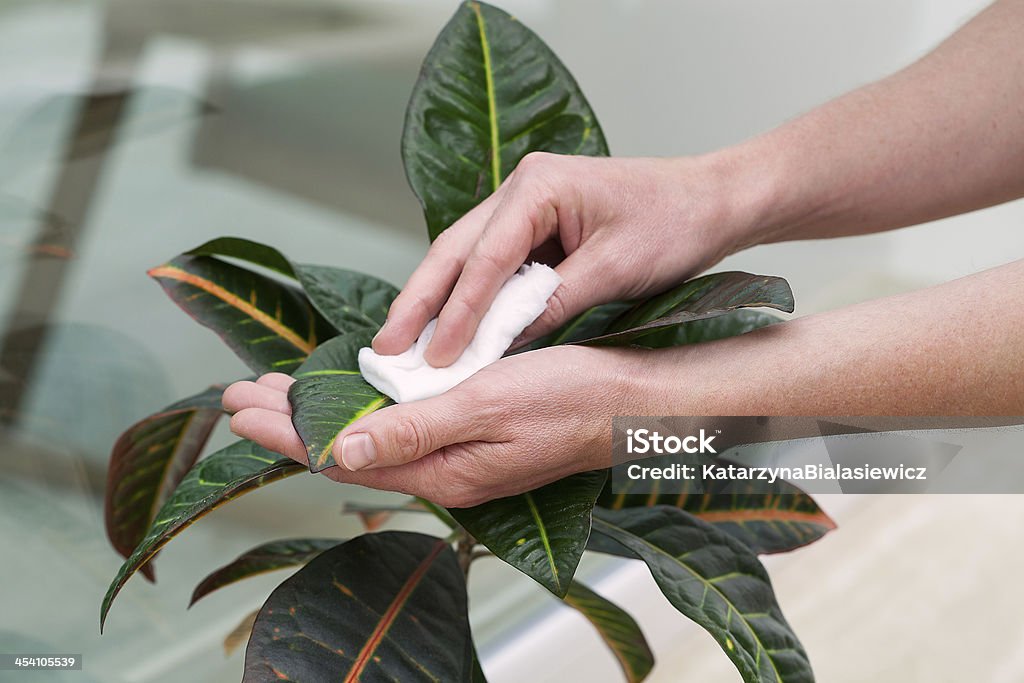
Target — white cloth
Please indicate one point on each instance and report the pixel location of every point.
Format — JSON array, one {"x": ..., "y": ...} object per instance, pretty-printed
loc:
[{"x": 407, "y": 377}]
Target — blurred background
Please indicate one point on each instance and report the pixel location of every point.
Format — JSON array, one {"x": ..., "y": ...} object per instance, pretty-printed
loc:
[{"x": 131, "y": 130}]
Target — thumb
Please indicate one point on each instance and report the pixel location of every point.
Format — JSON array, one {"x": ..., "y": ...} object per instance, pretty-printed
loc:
[{"x": 402, "y": 433}]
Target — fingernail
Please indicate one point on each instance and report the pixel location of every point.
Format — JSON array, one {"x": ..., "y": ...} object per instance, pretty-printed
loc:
[
  {"x": 357, "y": 451},
  {"x": 380, "y": 330}
]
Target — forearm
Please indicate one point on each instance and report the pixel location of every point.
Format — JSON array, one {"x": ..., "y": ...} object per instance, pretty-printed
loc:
[
  {"x": 942, "y": 137},
  {"x": 949, "y": 350}
]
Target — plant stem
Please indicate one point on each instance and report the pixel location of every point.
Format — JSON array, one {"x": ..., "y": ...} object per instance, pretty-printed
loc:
[{"x": 464, "y": 551}]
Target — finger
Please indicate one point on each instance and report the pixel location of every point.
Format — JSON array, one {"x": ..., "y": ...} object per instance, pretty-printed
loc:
[
  {"x": 270, "y": 429},
  {"x": 430, "y": 284},
  {"x": 405, "y": 432},
  {"x": 242, "y": 395},
  {"x": 276, "y": 380},
  {"x": 514, "y": 230},
  {"x": 579, "y": 291}
]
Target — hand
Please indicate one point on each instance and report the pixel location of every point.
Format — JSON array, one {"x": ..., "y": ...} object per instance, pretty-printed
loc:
[
  {"x": 522, "y": 422},
  {"x": 627, "y": 227}
]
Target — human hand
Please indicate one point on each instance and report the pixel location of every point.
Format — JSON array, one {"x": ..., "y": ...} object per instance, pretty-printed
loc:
[
  {"x": 628, "y": 228},
  {"x": 519, "y": 423}
]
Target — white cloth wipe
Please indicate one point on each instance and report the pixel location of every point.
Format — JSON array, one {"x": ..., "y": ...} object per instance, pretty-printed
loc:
[{"x": 407, "y": 377}]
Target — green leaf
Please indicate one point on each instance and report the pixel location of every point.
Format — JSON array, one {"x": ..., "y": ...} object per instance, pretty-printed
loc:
[
  {"x": 246, "y": 250},
  {"x": 263, "y": 558},
  {"x": 148, "y": 461},
  {"x": 269, "y": 324},
  {"x": 543, "y": 532},
  {"x": 767, "y": 522},
  {"x": 617, "y": 629},
  {"x": 730, "y": 324},
  {"x": 329, "y": 394},
  {"x": 325, "y": 404},
  {"x": 230, "y": 472},
  {"x": 347, "y": 299},
  {"x": 705, "y": 297},
  {"x": 489, "y": 92},
  {"x": 382, "y": 607},
  {"x": 717, "y": 582},
  {"x": 590, "y": 323}
]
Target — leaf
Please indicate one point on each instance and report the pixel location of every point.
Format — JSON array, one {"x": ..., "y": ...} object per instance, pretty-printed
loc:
[
  {"x": 389, "y": 606},
  {"x": 730, "y": 324},
  {"x": 269, "y": 324},
  {"x": 148, "y": 461},
  {"x": 347, "y": 299},
  {"x": 219, "y": 477},
  {"x": 543, "y": 532},
  {"x": 717, "y": 582},
  {"x": 323, "y": 405},
  {"x": 590, "y": 323},
  {"x": 339, "y": 355},
  {"x": 489, "y": 92},
  {"x": 766, "y": 522},
  {"x": 617, "y": 629},
  {"x": 705, "y": 297},
  {"x": 263, "y": 558}
]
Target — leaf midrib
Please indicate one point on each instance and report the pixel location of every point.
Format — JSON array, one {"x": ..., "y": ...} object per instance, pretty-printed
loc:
[
  {"x": 492, "y": 107},
  {"x": 543, "y": 532},
  {"x": 235, "y": 301},
  {"x": 708, "y": 585}
]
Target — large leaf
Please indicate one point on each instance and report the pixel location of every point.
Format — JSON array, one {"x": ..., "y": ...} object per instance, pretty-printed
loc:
[
  {"x": 543, "y": 532},
  {"x": 489, "y": 92},
  {"x": 730, "y": 324},
  {"x": 269, "y": 324},
  {"x": 216, "y": 479},
  {"x": 767, "y": 522},
  {"x": 348, "y": 300},
  {"x": 717, "y": 582},
  {"x": 617, "y": 629},
  {"x": 382, "y": 607},
  {"x": 148, "y": 461},
  {"x": 263, "y": 558},
  {"x": 590, "y": 323},
  {"x": 325, "y": 404},
  {"x": 705, "y": 297}
]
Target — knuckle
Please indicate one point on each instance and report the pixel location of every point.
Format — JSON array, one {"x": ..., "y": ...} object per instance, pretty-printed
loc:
[{"x": 409, "y": 438}]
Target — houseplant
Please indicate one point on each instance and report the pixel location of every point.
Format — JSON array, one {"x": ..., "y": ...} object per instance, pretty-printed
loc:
[{"x": 393, "y": 605}]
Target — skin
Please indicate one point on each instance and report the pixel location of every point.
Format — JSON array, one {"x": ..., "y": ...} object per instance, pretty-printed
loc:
[{"x": 942, "y": 137}]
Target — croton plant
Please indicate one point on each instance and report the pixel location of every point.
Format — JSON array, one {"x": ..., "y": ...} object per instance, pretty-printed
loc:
[{"x": 392, "y": 605}]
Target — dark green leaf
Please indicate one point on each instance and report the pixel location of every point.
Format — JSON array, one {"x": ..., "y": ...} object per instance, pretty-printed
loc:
[
  {"x": 216, "y": 479},
  {"x": 767, "y": 522},
  {"x": 705, "y": 297},
  {"x": 543, "y": 532},
  {"x": 382, "y": 607},
  {"x": 339, "y": 355},
  {"x": 324, "y": 404},
  {"x": 490, "y": 91},
  {"x": 348, "y": 300},
  {"x": 618, "y": 630},
  {"x": 269, "y": 324},
  {"x": 148, "y": 461},
  {"x": 590, "y": 323},
  {"x": 263, "y": 558},
  {"x": 717, "y": 582},
  {"x": 727, "y": 325},
  {"x": 246, "y": 250}
]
